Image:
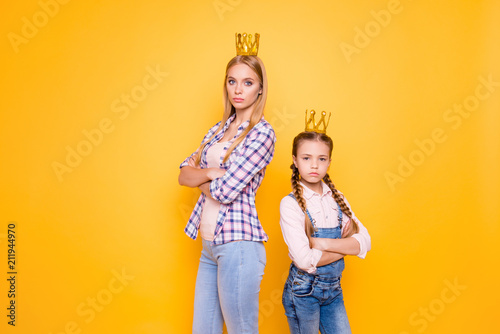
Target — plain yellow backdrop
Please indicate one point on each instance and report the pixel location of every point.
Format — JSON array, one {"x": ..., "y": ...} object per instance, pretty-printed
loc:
[{"x": 102, "y": 100}]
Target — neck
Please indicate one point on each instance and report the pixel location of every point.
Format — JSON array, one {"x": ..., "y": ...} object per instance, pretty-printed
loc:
[
  {"x": 316, "y": 187},
  {"x": 242, "y": 116}
]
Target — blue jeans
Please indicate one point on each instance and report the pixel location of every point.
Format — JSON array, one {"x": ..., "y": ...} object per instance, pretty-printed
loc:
[
  {"x": 227, "y": 287},
  {"x": 315, "y": 302}
]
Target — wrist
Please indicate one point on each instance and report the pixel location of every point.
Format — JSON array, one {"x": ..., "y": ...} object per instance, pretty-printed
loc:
[
  {"x": 209, "y": 173},
  {"x": 331, "y": 246}
]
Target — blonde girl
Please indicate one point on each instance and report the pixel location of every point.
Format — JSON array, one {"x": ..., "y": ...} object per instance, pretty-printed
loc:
[
  {"x": 319, "y": 228},
  {"x": 229, "y": 167}
]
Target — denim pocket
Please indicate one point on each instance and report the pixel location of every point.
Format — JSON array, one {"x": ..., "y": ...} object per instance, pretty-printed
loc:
[{"x": 302, "y": 286}]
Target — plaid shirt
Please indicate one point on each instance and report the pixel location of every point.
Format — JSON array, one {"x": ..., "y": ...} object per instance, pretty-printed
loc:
[{"x": 236, "y": 189}]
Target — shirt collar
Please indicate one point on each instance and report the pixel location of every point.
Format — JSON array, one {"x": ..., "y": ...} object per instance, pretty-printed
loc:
[
  {"x": 231, "y": 119},
  {"x": 308, "y": 193}
]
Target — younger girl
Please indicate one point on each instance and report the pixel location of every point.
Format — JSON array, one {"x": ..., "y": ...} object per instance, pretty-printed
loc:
[{"x": 320, "y": 229}]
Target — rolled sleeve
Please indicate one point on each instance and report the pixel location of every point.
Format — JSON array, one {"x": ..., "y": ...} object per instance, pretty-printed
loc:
[
  {"x": 362, "y": 236},
  {"x": 292, "y": 222},
  {"x": 364, "y": 240},
  {"x": 255, "y": 156},
  {"x": 186, "y": 161}
]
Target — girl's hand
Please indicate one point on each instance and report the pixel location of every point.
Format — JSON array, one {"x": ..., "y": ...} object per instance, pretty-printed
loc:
[
  {"x": 347, "y": 230},
  {"x": 215, "y": 173}
]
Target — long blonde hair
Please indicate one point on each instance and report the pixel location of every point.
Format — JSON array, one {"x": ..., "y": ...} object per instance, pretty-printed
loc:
[
  {"x": 297, "y": 188},
  {"x": 256, "y": 64}
]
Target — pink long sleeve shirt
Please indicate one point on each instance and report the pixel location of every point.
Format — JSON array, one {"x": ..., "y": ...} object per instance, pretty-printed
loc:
[{"x": 324, "y": 211}]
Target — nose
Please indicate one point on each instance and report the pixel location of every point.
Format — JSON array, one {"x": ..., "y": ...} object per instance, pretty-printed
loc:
[
  {"x": 314, "y": 163},
  {"x": 237, "y": 89}
]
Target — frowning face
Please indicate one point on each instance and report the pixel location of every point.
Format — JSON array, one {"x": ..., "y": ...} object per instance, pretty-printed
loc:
[{"x": 312, "y": 161}]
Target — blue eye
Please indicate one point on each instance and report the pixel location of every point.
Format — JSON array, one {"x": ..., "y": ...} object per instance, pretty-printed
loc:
[
  {"x": 230, "y": 81},
  {"x": 248, "y": 83},
  {"x": 322, "y": 159}
]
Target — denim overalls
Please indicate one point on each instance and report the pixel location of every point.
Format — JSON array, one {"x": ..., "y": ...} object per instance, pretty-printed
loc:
[{"x": 315, "y": 301}]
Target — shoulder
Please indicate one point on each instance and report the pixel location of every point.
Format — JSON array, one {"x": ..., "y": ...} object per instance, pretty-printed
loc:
[
  {"x": 289, "y": 203},
  {"x": 211, "y": 131},
  {"x": 345, "y": 200},
  {"x": 214, "y": 127},
  {"x": 264, "y": 124},
  {"x": 341, "y": 194},
  {"x": 338, "y": 192},
  {"x": 290, "y": 211},
  {"x": 263, "y": 128}
]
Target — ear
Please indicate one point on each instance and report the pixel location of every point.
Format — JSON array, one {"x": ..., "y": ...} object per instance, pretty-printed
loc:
[{"x": 294, "y": 160}]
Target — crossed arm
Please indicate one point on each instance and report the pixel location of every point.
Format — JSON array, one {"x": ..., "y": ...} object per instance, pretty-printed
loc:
[
  {"x": 193, "y": 176},
  {"x": 335, "y": 249},
  {"x": 317, "y": 252}
]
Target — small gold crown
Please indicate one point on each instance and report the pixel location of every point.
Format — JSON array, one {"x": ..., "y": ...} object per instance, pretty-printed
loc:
[
  {"x": 244, "y": 45},
  {"x": 315, "y": 127}
]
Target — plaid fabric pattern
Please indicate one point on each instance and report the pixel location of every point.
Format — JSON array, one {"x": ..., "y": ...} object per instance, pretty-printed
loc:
[{"x": 236, "y": 190}]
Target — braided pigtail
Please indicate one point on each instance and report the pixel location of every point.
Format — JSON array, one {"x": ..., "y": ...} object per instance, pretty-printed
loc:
[
  {"x": 297, "y": 192},
  {"x": 343, "y": 206}
]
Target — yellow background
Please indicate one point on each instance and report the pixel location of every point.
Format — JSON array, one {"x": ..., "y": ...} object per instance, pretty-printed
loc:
[{"x": 120, "y": 211}]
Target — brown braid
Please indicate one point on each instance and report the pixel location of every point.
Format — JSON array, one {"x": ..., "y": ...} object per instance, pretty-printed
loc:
[
  {"x": 343, "y": 206},
  {"x": 297, "y": 192}
]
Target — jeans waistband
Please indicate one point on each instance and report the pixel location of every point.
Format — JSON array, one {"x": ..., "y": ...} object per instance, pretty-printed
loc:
[{"x": 328, "y": 273}]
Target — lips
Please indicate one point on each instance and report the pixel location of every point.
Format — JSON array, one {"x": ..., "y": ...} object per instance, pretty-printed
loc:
[
  {"x": 313, "y": 174},
  {"x": 238, "y": 99}
]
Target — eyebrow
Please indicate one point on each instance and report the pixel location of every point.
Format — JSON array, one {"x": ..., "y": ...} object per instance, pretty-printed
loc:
[
  {"x": 308, "y": 155},
  {"x": 230, "y": 77}
]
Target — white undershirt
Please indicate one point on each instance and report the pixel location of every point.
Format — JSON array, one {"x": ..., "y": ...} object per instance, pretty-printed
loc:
[{"x": 211, "y": 207}]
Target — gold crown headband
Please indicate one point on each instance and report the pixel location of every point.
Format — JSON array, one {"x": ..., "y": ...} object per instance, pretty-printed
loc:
[
  {"x": 315, "y": 127},
  {"x": 245, "y": 46}
]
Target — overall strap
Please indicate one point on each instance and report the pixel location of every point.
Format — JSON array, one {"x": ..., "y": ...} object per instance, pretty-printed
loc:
[
  {"x": 307, "y": 212},
  {"x": 340, "y": 214}
]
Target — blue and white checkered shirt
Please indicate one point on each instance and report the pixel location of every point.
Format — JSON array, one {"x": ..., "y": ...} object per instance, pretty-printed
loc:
[{"x": 236, "y": 189}]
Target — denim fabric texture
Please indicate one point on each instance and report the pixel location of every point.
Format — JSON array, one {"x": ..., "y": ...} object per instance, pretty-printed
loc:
[
  {"x": 227, "y": 287},
  {"x": 315, "y": 302}
]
